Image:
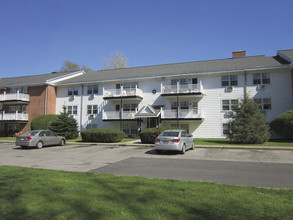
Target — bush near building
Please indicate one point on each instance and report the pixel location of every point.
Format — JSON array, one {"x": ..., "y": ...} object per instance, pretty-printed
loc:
[
  {"x": 65, "y": 125},
  {"x": 283, "y": 125},
  {"x": 149, "y": 135},
  {"x": 102, "y": 135},
  {"x": 248, "y": 126},
  {"x": 43, "y": 122}
]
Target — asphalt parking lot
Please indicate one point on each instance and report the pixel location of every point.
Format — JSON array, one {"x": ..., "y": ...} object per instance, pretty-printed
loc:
[{"x": 268, "y": 168}]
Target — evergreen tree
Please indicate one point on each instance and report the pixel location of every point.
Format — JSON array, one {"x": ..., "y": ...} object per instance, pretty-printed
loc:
[
  {"x": 65, "y": 125},
  {"x": 248, "y": 126}
]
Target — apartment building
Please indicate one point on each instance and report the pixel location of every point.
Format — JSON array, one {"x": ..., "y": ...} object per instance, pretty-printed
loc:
[
  {"x": 23, "y": 98},
  {"x": 197, "y": 96}
]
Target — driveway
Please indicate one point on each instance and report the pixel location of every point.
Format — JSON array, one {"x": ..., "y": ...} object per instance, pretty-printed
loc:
[{"x": 220, "y": 165}]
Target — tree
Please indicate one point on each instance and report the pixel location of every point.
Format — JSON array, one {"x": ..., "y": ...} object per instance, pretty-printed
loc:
[
  {"x": 69, "y": 66},
  {"x": 248, "y": 126},
  {"x": 283, "y": 125},
  {"x": 116, "y": 61},
  {"x": 65, "y": 125}
]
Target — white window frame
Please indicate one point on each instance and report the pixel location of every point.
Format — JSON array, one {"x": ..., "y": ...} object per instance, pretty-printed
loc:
[
  {"x": 261, "y": 78},
  {"x": 229, "y": 104}
]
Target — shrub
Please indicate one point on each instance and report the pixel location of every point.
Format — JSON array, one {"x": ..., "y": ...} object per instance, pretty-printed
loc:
[
  {"x": 65, "y": 125},
  {"x": 249, "y": 125},
  {"x": 42, "y": 122},
  {"x": 102, "y": 135},
  {"x": 283, "y": 125},
  {"x": 149, "y": 135}
]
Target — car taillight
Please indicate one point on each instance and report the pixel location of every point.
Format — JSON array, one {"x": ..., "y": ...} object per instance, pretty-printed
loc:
[
  {"x": 29, "y": 138},
  {"x": 157, "y": 140},
  {"x": 176, "y": 140}
]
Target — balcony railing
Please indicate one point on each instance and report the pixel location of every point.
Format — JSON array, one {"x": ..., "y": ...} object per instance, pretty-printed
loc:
[
  {"x": 122, "y": 92},
  {"x": 182, "y": 113},
  {"x": 114, "y": 115},
  {"x": 186, "y": 88},
  {"x": 13, "y": 116},
  {"x": 14, "y": 96}
]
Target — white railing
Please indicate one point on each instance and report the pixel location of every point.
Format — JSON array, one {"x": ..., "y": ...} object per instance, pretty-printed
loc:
[
  {"x": 116, "y": 115},
  {"x": 122, "y": 92},
  {"x": 183, "y": 113},
  {"x": 186, "y": 88},
  {"x": 14, "y": 96},
  {"x": 13, "y": 116}
]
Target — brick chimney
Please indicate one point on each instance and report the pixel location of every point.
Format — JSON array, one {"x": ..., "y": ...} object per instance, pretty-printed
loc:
[{"x": 239, "y": 53}]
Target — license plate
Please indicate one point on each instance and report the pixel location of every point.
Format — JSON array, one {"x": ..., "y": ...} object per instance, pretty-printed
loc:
[{"x": 166, "y": 142}]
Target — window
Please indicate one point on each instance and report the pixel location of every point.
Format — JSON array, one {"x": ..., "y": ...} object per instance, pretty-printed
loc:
[
  {"x": 92, "y": 109},
  {"x": 228, "y": 105},
  {"x": 180, "y": 81},
  {"x": 72, "y": 110},
  {"x": 261, "y": 78},
  {"x": 264, "y": 104},
  {"x": 72, "y": 91},
  {"x": 92, "y": 89},
  {"x": 184, "y": 105},
  {"x": 91, "y": 126},
  {"x": 130, "y": 107},
  {"x": 231, "y": 80},
  {"x": 226, "y": 129},
  {"x": 128, "y": 85},
  {"x": 173, "y": 105}
]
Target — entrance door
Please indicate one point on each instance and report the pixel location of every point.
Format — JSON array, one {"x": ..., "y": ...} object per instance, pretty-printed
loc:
[{"x": 152, "y": 122}]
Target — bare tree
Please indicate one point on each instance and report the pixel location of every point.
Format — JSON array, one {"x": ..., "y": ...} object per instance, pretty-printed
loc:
[
  {"x": 116, "y": 61},
  {"x": 69, "y": 66}
]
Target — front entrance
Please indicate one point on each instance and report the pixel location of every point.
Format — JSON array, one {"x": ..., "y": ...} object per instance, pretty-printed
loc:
[{"x": 152, "y": 122}]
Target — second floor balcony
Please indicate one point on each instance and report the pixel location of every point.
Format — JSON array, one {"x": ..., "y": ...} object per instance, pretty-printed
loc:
[
  {"x": 182, "y": 89},
  {"x": 13, "y": 116},
  {"x": 124, "y": 93},
  {"x": 115, "y": 115},
  {"x": 182, "y": 114},
  {"x": 14, "y": 97}
]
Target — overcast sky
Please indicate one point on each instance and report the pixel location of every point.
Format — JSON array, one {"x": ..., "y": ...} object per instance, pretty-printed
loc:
[{"x": 37, "y": 36}]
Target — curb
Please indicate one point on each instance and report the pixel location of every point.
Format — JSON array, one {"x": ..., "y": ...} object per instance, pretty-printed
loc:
[{"x": 131, "y": 144}]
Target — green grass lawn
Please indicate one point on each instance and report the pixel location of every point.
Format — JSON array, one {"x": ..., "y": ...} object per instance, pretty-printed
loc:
[
  {"x": 204, "y": 141},
  {"x": 27, "y": 193}
]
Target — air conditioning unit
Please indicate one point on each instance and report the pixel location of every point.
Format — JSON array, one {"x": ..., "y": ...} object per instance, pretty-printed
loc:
[
  {"x": 71, "y": 97},
  {"x": 261, "y": 86},
  {"x": 92, "y": 96},
  {"x": 91, "y": 116},
  {"x": 229, "y": 88},
  {"x": 263, "y": 112},
  {"x": 230, "y": 113}
]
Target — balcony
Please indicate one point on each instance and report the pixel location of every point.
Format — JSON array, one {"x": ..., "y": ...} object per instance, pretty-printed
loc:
[
  {"x": 14, "y": 97},
  {"x": 115, "y": 115},
  {"x": 124, "y": 93},
  {"x": 185, "y": 89},
  {"x": 183, "y": 114},
  {"x": 13, "y": 116}
]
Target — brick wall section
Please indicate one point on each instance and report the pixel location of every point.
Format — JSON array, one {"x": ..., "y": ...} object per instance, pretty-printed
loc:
[{"x": 51, "y": 100}]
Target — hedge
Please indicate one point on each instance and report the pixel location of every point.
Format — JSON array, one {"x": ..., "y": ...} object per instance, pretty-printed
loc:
[
  {"x": 42, "y": 122},
  {"x": 102, "y": 135},
  {"x": 283, "y": 125},
  {"x": 149, "y": 135}
]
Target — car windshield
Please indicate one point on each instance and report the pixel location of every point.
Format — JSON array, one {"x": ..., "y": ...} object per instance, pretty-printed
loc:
[
  {"x": 170, "y": 134},
  {"x": 30, "y": 133}
]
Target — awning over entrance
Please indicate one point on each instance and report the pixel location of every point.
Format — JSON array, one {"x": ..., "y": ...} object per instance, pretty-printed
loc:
[{"x": 148, "y": 111}]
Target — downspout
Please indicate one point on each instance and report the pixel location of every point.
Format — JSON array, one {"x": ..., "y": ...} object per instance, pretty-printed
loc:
[{"x": 81, "y": 108}]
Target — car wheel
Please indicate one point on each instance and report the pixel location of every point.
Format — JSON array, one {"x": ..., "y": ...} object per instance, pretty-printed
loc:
[
  {"x": 23, "y": 147},
  {"x": 183, "y": 149},
  {"x": 39, "y": 144},
  {"x": 62, "y": 142}
]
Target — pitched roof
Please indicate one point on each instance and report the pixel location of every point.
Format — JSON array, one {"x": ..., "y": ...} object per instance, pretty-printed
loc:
[
  {"x": 286, "y": 54},
  {"x": 199, "y": 67},
  {"x": 32, "y": 80}
]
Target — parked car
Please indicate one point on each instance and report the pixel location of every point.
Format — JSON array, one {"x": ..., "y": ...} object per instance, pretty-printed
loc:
[
  {"x": 174, "y": 140},
  {"x": 39, "y": 138}
]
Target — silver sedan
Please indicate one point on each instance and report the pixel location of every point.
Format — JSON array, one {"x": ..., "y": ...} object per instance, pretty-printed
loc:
[
  {"x": 39, "y": 138},
  {"x": 175, "y": 140}
]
